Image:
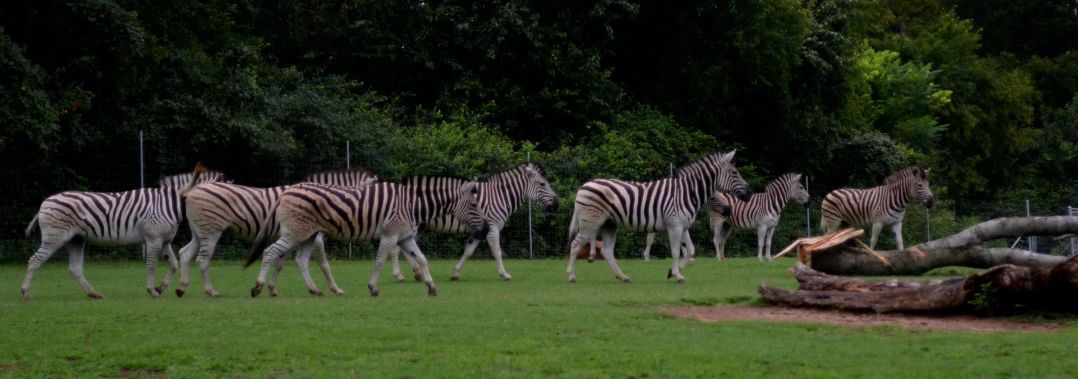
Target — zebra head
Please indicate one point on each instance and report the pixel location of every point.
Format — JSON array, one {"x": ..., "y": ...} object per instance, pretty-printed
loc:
[
  {"x": 796, "y": 190},
  {"x": 913, "y": 182},
  {"x": 466, "y": 208},
  {"x": 718, "y": 167},
  {"x": 539, "y": 189},
  {"x": 717, "y": 203}
]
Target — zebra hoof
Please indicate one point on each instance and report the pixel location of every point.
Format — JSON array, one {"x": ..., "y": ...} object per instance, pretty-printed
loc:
[
  {"x": 338, "y": 292},
  {"x": 626, "y": 280},
  {"x": 374, "y": 291},
  {"x": 94, "y": 295},
  {"x": 454, "y": 278},
  {"x": 432, "y": 291},
  {"x": 25, "y": 294},
  {"x": 418, "y": 278},
  {"x": 153, "y": 293},
  {"x": 179, "y": 292},
  {"x": 508, "y": 278},
  {"x": 681, "y": 281},
  {"x": 572, "y": 280},
  {"x": 255, "y": 291},
  {"x": 160, "y": 289},
  {"x": 316, "y": 292}
]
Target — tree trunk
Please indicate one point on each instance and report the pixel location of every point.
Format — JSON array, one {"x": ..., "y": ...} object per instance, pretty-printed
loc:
[
  {"x": 1053, "y": 288},
  {"x": 963, "y": 249}
]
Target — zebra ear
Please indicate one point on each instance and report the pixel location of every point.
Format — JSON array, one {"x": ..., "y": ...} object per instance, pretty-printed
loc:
[{"x": 729, "y": 157}]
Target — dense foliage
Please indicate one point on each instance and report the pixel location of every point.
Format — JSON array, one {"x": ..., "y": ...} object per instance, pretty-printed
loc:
[{"x": 845, "y": 91}]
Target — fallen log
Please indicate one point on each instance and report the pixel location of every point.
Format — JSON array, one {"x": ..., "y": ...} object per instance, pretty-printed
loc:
[
  {"x": 965, "y": 249},
  {"x": 1051, "y": 288}
]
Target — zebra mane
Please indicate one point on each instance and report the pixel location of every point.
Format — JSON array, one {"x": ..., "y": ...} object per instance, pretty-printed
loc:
[
  {"x": 916, "y": 171},
  {"x": 699, "y": 163},
  {"x": 785, "y": 178},
  {"x": 343, "y": 170},
  {"x": 503, "y": 174},
  {"x": 417, "y": 179}
]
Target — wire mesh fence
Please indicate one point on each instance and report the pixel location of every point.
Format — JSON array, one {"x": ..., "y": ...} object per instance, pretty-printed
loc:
[{"x": 529, "y": 234}]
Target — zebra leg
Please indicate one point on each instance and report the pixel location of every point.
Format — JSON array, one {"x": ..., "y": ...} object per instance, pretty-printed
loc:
[
  {"x": 206, "y": 247},
  {"x": 303, "y": 258},
  {"x": 690, "y": 250},
  {"x": 761, "y": 236},
  {"x": 494, "y": 240},
  {"x": 75, "y": 249},
  {"x": 283, "y": 246},
  {"x": 153, "y": 251},
  {"x": 897, "y": 228},
  {"x": 770, "y": 235},
  {"x": 166, "y": 252},
  {"x": 876, "y": 227},
  {"x": 48, "y": 246},
  {"x": 385, "y": 244},
  {"x": 675, "y": 233},
  {"x": 395, "y": 253},
  {"x": 278, "y": 266},
  {"x": 468, "y": 251},
  {"x": 323, "y": 263},
  {"x": 574, "y": 247},
  {"x": 647, "y": 247},
  {"x": 719, "y": 234},
  {"x": 610, "y": 236},
  {"x": 186, "y": 253},
  {"x": 411, "y": 248}
]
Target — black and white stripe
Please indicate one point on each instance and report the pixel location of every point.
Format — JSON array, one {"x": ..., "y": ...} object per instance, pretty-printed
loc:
[
  {"x": 180, "y": 180},
  {"x": 389, "y": 212},
  {"x": 213, "y": 209},
  {"x": 73, "y": 218},
  {"x": 760, "y": 213},
  {"x": 670, "y": 204},
  {"x": 877, "y": 206},
  {"x": 500, "y": 195}
]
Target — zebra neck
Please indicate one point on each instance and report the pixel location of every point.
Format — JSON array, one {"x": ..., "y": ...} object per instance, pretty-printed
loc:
[
  {"x": 904, "y": 197},
  {"x": 697, "y": 190},
  {"x": 512, "y": 196}
]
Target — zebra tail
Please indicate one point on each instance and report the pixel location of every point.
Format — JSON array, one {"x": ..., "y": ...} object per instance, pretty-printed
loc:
[
  {"x": 199, "y": 169},
  {"x": 33, "y": 226},
  {"x": 262, "y": 240},
  {"x": 573, "y": 229}
]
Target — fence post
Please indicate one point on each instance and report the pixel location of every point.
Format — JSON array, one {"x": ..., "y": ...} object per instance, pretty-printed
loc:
[
  {"x": 1071, "y": 212},
  {"x": 671, "y": 169},
  {"x": 348, "y": 165},
  {"x": 808, "y": 212},
  {"x": 928, "y": 224},
  {"x": 1032, "y": 242},
  {"x": 531, "y": 242},
  {"x": 141, "y": 177}
]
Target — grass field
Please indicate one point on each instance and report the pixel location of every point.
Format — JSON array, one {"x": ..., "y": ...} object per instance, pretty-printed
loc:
[{"x": 538, "y": 325}]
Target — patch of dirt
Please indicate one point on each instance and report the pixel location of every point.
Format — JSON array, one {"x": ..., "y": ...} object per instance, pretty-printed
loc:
[
  {"x": 7, "y": 368},
  {"x": 858, "y": 319}
]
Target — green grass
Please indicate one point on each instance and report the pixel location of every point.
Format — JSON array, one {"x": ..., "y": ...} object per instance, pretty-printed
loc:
[{"x": 538, "y": 325}]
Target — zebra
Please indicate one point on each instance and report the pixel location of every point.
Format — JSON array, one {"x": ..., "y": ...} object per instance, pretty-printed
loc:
[
  {"x": 761, "y": 212},
  {"x": 716, "y": 205},
  {"x": 389, "y": 212},
  {"x": 72, "y": 218},
  {"x": 670, "y": 204},
  {"x": 216, "y": 208},
  {"x": 500, "y": 195},
  {"x": 878, "y": 206}
]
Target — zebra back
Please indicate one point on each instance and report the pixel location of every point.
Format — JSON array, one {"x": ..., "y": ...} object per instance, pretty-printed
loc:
[
  {"x": 351, "y": 177},
  {"x": 179, "y": 180}
]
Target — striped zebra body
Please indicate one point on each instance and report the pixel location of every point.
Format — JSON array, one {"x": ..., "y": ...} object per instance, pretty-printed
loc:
[
  {"x": 73, "y": 218},
  {"x": 389, "y": 212},
  {"x": 760, "y": 213},
  {"x": 217, "y": 208},
  {"x": 716, "y": 205},
  {"x": 499, "y": 195},
  {"x": 877, "y": 206},
  {"x": 670, "y": 204}
]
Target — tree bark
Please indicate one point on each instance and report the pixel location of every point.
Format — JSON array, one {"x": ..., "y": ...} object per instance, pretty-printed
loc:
[
  {"x": 963, "y": 249},
  {"x": 1053, "y": 288}
]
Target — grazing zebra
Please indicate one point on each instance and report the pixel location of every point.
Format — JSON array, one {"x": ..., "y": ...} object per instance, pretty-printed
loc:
[
  {"x": 716, "y": 205},
  {"x": 499, "y": 195},
  {"x": 604, "y": 205},
  {"x": 72, "y": 218},
  {"x": 761, "y": 212},
  {"x": 389, "y": 212},
  {"x": 878, "y": 206},
  {"x": 216, "y": 208}
]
